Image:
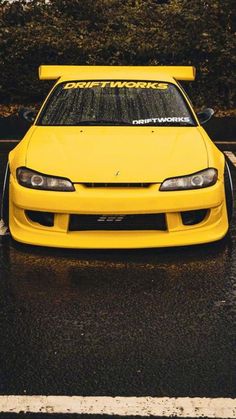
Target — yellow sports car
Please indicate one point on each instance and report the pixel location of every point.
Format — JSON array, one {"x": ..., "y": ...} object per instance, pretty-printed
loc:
[{"x": 117, "y": 158}]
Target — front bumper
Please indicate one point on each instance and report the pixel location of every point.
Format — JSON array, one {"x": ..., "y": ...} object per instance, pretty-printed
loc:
[{"x": 117, "y": 201}]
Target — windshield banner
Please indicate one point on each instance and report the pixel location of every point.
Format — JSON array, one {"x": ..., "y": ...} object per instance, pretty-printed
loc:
[
  {"x": 119, "y": 84},
  {"x": 162, "y": 120}
]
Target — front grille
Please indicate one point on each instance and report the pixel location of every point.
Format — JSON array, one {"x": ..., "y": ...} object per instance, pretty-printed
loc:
[
  {"x": 117, "y": 222},
  {"x": 116, "y": 185}
]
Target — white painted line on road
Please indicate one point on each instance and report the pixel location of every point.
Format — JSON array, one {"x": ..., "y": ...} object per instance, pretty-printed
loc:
[
  {"x": 9, "y": 141},
  {"x": 123, "y": 406},
  {"x": 3, "y": 228},
  {"x": 225, "y": 142},
  {"x": 231, "y": 156}
]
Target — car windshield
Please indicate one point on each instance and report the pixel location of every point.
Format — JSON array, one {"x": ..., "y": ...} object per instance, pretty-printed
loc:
[{"x": 129, "y": 103}]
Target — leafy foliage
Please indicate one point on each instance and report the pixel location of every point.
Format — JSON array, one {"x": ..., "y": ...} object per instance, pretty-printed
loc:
[{"x": 119, "y": 32}]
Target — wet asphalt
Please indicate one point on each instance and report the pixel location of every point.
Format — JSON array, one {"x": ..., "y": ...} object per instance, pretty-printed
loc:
[{"x": 118, "y": 323}]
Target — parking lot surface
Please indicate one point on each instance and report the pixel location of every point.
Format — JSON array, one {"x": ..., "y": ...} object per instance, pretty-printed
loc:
[{"x": 157, "y": 323}]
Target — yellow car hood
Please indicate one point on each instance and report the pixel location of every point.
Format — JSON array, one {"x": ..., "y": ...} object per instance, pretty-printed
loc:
[{"x": 116, "y": 154}]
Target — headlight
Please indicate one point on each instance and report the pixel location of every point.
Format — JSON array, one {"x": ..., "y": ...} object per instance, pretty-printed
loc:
[
  {"x": 35, "y": 180},
  {"x": 198, "y": 180}
]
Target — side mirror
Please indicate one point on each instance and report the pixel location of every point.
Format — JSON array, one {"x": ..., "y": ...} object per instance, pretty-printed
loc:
[
  {"x": 28, "y": 115},
  {"x": 205, "y": 116}
]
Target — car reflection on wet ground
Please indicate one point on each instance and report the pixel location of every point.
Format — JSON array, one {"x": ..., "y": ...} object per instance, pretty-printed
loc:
[{"x": 153, "y": 322}]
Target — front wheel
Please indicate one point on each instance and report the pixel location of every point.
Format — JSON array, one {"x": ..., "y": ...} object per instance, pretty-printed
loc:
[{"x": 229, "y": 196}]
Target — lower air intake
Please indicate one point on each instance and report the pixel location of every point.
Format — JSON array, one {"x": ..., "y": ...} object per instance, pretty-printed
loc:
[
  {"x": 190, "y": 218},
  {"x": 117, "y": 222},
  {"x": 44, "y": 218}
]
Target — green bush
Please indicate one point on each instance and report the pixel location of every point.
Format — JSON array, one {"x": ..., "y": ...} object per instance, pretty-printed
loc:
[{"x": 124, "y": 32}]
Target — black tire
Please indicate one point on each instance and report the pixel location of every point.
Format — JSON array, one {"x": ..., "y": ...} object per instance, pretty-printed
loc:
[
  {"x": 5, "y": 197},
  {"x": 229, "y": 196}
]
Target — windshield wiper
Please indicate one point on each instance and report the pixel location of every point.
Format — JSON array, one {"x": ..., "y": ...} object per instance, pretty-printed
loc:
[{"x": 103, "y": 121}]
